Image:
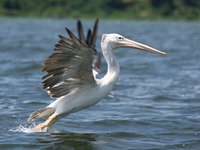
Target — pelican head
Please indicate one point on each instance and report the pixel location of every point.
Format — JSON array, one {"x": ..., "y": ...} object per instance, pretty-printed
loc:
[{"x": 118, "y": 41}]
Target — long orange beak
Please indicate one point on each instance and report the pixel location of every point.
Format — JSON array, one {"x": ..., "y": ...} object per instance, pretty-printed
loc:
[{"x": 132, "y": 44}]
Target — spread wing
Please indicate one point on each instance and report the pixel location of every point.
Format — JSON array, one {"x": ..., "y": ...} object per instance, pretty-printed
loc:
[{"x": 71, "y": 65}]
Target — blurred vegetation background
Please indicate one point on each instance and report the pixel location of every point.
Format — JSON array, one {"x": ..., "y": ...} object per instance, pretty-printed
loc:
[{"x": 128, "y": 9}]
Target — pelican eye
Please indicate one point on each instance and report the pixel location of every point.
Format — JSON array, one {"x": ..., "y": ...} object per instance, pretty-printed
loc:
[{"x": 121, "y": 38}]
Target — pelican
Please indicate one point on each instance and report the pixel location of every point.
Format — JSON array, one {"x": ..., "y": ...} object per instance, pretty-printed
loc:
[{"x": 71, "y": 73}]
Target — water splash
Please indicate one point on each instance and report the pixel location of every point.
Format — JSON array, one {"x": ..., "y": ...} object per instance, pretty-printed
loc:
[{"x": 27, "y": 128}]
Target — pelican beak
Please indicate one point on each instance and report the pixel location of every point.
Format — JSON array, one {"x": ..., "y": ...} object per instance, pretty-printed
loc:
[{"x": 132, "y": 44}]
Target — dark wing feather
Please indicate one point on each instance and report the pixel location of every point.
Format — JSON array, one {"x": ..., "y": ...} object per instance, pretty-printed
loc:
[
  {"x": 96, "y": 63},
  {"x": 71, "y": 65}
]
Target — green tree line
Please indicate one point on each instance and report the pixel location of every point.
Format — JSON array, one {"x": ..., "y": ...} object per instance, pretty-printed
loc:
[{"x": 130, "y": 9}]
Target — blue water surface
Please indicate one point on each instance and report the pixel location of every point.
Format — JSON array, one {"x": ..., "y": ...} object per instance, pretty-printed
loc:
[{"x": 154, "y": 105}]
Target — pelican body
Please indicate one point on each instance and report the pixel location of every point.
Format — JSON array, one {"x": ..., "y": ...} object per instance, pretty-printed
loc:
[{"x": 71, "y": 73}]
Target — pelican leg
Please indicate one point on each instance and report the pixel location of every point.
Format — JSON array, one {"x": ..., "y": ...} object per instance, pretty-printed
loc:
[{"x": 47, "y": 124}]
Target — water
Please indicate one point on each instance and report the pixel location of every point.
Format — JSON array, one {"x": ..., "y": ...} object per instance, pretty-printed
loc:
[{"x": 155, "y": 104}]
